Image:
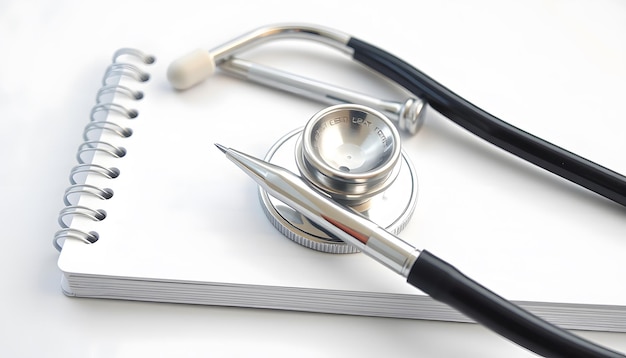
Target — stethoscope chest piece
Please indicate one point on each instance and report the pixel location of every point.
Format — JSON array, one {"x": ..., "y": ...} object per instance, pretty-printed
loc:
[{"x": 353, "y": 154}]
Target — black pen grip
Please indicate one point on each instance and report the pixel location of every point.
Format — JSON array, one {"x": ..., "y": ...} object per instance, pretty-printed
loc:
[
  {"x": 544, "y": 154},
  {"x": 446, "y": 284}
]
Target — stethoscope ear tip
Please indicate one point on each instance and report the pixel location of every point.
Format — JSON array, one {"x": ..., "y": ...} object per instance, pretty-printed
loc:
[{"x": 190, "y": 69}]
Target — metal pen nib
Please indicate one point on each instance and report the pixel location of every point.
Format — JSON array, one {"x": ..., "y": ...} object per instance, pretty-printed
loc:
[{"x": 338, "y": 220}]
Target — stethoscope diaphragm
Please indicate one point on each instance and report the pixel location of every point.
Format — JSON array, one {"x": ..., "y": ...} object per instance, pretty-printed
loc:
[{"x": 353, "y": 154}]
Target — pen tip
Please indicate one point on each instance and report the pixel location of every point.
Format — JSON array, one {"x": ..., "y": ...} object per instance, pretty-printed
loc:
[{"x": 221, "y": 147}]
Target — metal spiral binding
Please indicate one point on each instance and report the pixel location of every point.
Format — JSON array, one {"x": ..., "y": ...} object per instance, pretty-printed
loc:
[
  {"x": 112, "y": 107},
  {"x": 110, "y": 88},
  {"x": 100, "y": 193},
  {"x": 108, "y": 126},
  {"x": 99, "y": 146},
  {"x": 124, "y": 69},
  {"x": 109, "y": 173}
]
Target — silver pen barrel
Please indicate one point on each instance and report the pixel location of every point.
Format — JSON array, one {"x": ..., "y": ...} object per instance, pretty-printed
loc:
[
  {"x": 336, "y": 219},
  {"x": 407, "y": 115}
]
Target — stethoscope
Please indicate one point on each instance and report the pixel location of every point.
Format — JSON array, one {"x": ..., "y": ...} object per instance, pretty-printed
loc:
[
  {"x": 351, "y": 153},
  {"x": 200, "y": 64}
]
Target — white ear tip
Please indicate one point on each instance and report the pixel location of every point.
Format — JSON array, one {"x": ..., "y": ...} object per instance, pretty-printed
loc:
[{"x": 190, "y": 69}]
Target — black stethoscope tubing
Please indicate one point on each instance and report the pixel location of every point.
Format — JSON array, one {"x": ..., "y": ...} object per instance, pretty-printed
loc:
[{"x": 555, "y": 159}]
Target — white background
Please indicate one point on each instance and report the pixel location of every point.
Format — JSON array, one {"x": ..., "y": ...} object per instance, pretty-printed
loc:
[{"x": 554, "y": 68}]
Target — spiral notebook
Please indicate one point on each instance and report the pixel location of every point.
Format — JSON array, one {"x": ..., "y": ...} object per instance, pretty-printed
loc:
[{"x": 154, "y": 212}]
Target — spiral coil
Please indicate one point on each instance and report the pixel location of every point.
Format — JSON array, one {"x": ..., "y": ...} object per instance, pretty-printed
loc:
[{"x": 92, "y": 144}]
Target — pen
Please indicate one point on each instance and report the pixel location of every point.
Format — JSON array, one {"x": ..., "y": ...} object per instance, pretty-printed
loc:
[{"x": 422, "y": 269}]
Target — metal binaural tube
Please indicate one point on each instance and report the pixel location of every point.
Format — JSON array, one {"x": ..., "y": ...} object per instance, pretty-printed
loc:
[
  {"x": 330, "y": 37},
  {"x": 407, "y": 115},
  {"x": 194, "y": 67},
  {"x": 197, "y": 65}
]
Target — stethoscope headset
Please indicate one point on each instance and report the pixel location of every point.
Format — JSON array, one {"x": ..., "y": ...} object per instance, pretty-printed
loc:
[{"x": 537, "y": 336}]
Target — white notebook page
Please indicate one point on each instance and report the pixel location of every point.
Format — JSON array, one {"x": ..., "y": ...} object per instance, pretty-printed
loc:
[{"x": 181, "y": 211}]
